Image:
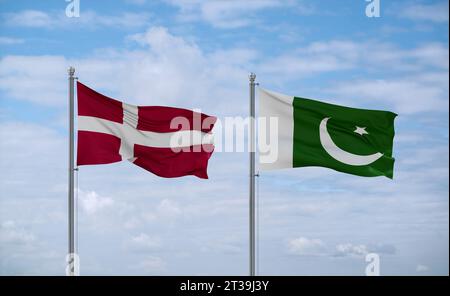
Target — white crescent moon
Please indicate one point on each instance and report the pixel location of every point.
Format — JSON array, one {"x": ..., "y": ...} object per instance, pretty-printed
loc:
[{"x": 341, "y": 155}]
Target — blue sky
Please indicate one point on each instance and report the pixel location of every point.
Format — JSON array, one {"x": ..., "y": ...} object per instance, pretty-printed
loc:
[{"x": 197, "y": 54}]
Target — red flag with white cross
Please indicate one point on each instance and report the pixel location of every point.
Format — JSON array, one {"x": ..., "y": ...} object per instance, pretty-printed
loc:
[{"x": 169, "y": 142}]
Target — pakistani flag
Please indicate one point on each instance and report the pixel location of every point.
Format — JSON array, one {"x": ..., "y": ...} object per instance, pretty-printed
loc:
[{"x": 312, "y": 133}]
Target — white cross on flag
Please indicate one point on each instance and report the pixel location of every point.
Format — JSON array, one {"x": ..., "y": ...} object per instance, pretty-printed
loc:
[{"x": 169, "y": 142}]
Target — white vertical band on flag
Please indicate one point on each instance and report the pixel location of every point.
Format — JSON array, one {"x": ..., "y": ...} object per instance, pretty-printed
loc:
[
  {"x": 277, "y": 105},
  {"x": 130, "y": 114},
  {"x": 131, "y": 118}
]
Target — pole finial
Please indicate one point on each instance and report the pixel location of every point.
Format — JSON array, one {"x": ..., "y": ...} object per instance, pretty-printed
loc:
[
  {"x": 71, "y": 71},
  {"x": 252, "y": 77}
]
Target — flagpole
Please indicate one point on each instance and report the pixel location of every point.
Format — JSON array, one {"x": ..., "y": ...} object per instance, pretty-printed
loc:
[
  {"x": 252, "y": 78},
  {"x": 71, "y": 201}
]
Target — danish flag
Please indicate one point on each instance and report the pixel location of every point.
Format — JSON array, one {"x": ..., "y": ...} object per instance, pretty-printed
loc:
[{"x": 169, "y": 142}]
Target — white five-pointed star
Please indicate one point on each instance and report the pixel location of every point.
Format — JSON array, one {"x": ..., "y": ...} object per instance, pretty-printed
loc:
[{"x": 361, "y": 130}]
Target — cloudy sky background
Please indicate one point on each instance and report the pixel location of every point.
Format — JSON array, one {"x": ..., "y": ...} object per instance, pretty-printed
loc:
[{"x": 197, "y": 54}]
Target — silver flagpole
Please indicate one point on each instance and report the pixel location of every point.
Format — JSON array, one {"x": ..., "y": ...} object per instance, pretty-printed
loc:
[
  {"x": 252, "y": 78},
  {"x": 71, "y": 266}
]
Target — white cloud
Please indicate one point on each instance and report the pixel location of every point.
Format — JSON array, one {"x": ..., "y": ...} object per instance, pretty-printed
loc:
[
  {"x": 428, "y": 92},
  {"x": 160, "y": 41},
  {"x": 25, "y": 147},
  {"x": 225, "y": 13},
  {"x": 426, "y": 67},
  {"x": 151, "y": 264},
  {"x": 435, "y": 12},
  {"x": 167, "y": 70},
  {"x": 228, "y": 245},
  {"x": 91, "y": 202},
  {"x": 10, "y": 40},
  {"x": 431, "y": 54},
  {"x": 388, "y": 249},
  {"x": 168, "y": 209},
  {"x": 306, "y": 246},
  {"x": 25, "y": 78},
  {"x": 87, "y": 19},
  {"x": 145, "y": 242},
  {"x": 177, "y": 72},
  {"x": 422, "y": 268},
  {"x": 29, "y": 18},
  {"x": 232, "y": 14},
  {"x": 342, "y": 55},
  {"x": 296, "y": 65},
  {"x": 317, "y": 57},
  {"x": 11, "y": 233},
  {"x": 21, "y": 252},
  {"x": 317, "y": 247},
  {"x": 351, "y": 250}
]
